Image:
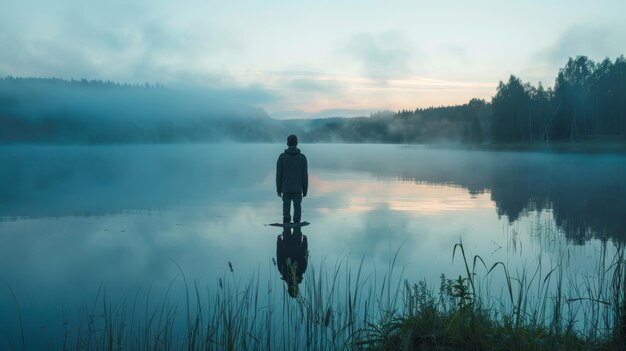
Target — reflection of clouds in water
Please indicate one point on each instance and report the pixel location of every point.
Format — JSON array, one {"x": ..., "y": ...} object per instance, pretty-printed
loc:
[
  {"x": 424, "y": 242},
  {"x": 372, "y": 218},
  {"x": 439, "y": 199},
  {"x": 366, "y": 195}
]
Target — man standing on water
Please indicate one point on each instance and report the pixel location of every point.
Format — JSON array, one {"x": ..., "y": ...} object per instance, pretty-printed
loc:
[{"x": 292, "y": 179}]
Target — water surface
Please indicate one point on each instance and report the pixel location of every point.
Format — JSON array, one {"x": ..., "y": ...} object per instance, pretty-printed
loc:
[{"x": 129, "y": 219}]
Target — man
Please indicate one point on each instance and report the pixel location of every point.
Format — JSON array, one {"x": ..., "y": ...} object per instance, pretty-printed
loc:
[{"x": 292, "y": 179}]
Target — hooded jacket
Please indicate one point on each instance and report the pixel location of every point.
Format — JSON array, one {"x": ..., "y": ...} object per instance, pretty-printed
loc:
[{"x": 292, "y": 172}]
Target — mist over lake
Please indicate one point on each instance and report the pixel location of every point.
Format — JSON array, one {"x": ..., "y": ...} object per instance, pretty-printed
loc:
[{"x": 133, "y": 218}]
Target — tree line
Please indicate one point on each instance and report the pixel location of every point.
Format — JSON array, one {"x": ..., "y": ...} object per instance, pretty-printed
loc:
[
  {"x": 467, "y": 123},
  {"x": 57, "y": 111},
  {"x": 587, "y": 102}
]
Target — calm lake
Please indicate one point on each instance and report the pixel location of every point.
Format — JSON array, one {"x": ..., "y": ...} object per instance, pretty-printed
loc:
[{"x": 131, "y": 220}]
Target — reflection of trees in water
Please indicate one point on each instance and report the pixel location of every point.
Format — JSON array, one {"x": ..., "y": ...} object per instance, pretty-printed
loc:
[
  {"x": 586, "y": 193},
  {"x": 585, "y": 201}
]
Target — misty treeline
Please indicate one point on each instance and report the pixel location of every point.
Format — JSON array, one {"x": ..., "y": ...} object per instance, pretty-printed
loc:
[
  {"x": 587, "y": 102},
  {"x": 41, "y": 110},
  {"x": 467, "y": 123}
]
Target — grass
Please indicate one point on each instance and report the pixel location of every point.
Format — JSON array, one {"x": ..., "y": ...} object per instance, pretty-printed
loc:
[
  {"x": 339, "y": 308},
  {"x": 457, "y": 317}
]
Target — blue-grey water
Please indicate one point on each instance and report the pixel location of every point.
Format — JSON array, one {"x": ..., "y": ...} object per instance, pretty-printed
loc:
[{"x": 75, "y": 220}]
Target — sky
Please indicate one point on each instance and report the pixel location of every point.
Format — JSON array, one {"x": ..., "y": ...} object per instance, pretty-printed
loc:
[{"x": 310, "y": 58}]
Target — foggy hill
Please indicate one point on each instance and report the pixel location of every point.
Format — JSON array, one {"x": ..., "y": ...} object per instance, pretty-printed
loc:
[
  {"x": 55, "y": 111},
  {"x": 35, "y": 110}
]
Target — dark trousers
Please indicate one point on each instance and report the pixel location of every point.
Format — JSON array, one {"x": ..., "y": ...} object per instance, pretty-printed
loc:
[{"x": 297, "y": 209}]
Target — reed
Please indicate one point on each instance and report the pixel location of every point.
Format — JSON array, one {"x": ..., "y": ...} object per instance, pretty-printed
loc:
[
  {"x": 536, "y": 312},
  {"x": 342, "y": 307}
]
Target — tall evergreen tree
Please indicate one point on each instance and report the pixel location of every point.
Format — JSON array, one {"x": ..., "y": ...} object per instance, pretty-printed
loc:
[{"x": 511, "y": 107}]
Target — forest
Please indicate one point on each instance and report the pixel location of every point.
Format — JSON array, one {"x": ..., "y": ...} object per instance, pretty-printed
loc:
[{"x": 586, "y": 103}]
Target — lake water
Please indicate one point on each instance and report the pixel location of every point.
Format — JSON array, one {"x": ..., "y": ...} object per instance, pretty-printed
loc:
[{"x": 75, "y": 220}]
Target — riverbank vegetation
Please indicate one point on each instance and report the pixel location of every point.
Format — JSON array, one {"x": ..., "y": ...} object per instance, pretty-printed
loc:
[
  {"x": 536, "y": 309},
  {"x": 533, "y": 313}
]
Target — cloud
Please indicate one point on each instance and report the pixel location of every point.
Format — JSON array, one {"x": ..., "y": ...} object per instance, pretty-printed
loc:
[
  {"x": 343, "y": 112},
  {"x": 328, "y": 113},
  {"x": 597, "y": 41},
  {"x": 454, "y": 53},
  {"x": 594, "y": 40},
  {"x": 382, "y": 56},
  {"x": 131, "y": 42},
  {"x": 315, "y": 85},
  {"x": 253, "y": 95}
]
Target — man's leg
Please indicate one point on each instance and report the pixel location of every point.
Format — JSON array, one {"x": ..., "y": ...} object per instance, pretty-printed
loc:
[
  {"x": 297, "y": 208},
  {"x": 286, "y": 208}
]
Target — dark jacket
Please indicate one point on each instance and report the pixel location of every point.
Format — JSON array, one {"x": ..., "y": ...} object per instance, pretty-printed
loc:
[{"x": 292, "y": 172}]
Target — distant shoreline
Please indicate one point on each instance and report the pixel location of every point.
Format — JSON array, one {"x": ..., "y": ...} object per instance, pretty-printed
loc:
[
  {"x": 586, "y": 147},
  {"x": 561, "y": 146}
]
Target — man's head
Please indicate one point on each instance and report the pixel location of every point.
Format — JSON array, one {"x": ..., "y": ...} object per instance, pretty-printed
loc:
[{"x": 292, "y": 140}]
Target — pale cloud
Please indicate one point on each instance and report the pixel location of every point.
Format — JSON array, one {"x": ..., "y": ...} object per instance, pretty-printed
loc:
[
  {"x": 253, "y": 95},
  {"x": 595, "y": 40},
  {"x": 124, "y": 42},
  {"x": 316, "y": 85},
  {"x": 381, "y": 56},
  {"x": 454, "y": 53}
]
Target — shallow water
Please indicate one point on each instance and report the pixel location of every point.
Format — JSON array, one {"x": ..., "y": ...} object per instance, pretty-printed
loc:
[{"x": 131, "y": 218}]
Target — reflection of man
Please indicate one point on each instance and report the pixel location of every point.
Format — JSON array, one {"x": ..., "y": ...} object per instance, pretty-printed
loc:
[
  {"x": 292, "y": 179},
  {"x": 292, "y": 251}
]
